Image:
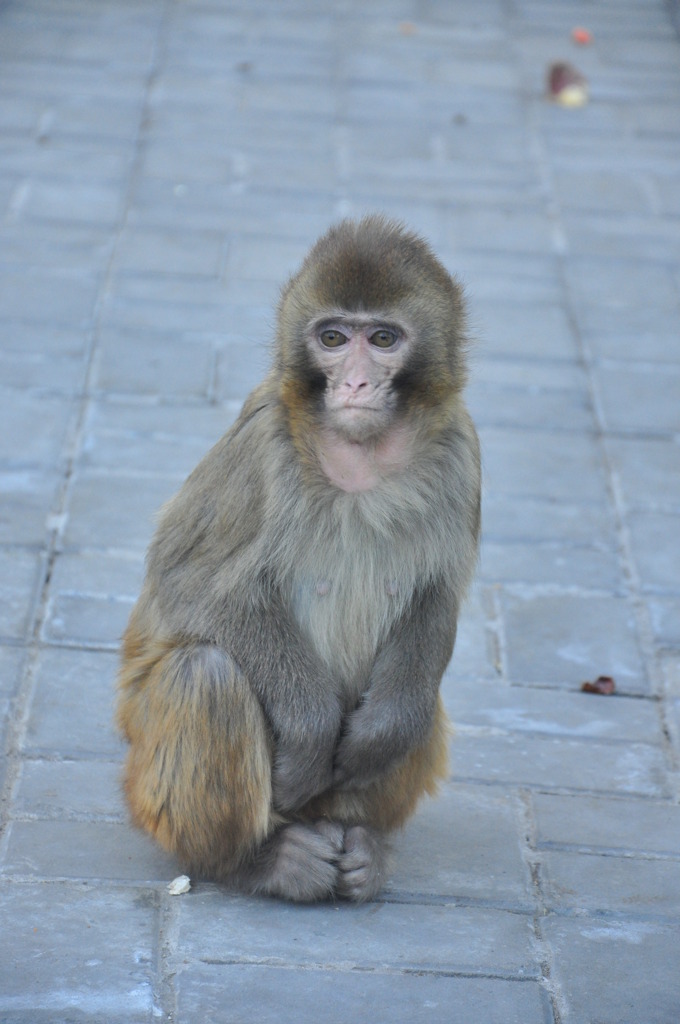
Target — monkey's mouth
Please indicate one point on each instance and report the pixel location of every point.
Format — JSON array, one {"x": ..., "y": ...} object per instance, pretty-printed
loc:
[
  {"x": 357, "y": 416},
  {"x": 352, "y": 405}
]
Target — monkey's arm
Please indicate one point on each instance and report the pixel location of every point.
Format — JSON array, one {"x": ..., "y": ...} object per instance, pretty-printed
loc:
[
  {"x": 297, "y": 695},
  {"x": 397, "y": 708}
]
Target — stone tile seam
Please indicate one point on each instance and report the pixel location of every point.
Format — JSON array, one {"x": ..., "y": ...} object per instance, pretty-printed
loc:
[
  {"x": 517, "y": 588},
  {"x": 527, "y": 831},
  {"x": 167, "y": 927},
  {"x": 501, "y": 784},
  {"x": 621, "y": 852},
  {"x": 350, "y": 967}
]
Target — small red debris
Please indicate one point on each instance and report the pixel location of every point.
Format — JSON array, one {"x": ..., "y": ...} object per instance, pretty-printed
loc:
[
  {"x": 582, "y": 36},
  {"x": 604, "y": 685},
  {"x": 566, "y": 85}
]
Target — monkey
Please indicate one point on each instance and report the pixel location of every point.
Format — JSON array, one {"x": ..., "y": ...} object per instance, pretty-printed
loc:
[{"x": 280, "y": 672}]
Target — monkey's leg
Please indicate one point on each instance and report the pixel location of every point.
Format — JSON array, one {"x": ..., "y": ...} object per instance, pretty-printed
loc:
[
  {"x": 198, "y": 777},
  {"x": 198, "y": 774}
]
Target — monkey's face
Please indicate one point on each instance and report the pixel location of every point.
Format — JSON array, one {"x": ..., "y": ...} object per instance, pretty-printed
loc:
[
  {"x": 358, "y": 357},
  {"x": 370, "y": 337}
]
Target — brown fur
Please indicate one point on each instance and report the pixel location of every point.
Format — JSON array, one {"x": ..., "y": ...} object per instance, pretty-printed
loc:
[{"x": 280, "y": 671}]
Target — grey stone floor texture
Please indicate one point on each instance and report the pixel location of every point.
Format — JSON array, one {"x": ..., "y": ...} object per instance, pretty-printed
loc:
[{"x": 164, "y": 165}]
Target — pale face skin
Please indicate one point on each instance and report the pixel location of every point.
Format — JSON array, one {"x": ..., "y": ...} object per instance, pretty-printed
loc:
[{"x": 360, "y": 443}]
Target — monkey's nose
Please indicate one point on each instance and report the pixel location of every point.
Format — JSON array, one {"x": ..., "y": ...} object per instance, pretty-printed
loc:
[{"x": 355, "y": 385}]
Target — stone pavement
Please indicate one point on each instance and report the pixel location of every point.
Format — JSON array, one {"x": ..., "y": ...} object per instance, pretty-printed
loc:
[{"x": 164, "y": 165}]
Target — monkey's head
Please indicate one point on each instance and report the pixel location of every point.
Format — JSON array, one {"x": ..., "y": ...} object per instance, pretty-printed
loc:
[{"x": 370, "y": 329}]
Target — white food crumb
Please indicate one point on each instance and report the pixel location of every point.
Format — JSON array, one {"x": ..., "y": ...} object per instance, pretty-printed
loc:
[{"x": 179, "y": 885}]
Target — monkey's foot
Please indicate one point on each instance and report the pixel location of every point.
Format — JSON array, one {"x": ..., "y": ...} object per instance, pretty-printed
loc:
[
  {"x": 300, "y": 862},
  {"x": 363, "y": 864}
]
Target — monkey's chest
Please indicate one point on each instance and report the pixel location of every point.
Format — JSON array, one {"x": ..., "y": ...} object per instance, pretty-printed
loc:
[{"x": 346, "y": 616}]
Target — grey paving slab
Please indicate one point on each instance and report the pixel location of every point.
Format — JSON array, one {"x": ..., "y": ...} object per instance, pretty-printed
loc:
[
  {"x": 655, "y": 540},
  {"x": 596, "y": 319},
  {"x": 592, "y": 822},
  {"x": 665, "y": 621},
  {"x": 103, "y": 573},
  {"x": 552, "y": 563},
  {"x": 82, "y": 247},
  {"x": 69, "y": 789},
  {"x": 72, "y": 200},
  {"x": 61, "y": 160},
  {"x": 52, "y": 295},
  {"x": 290, "y": 211},
  {"x": 526, "y": 404},
  {"x": 621, "y": 971},
  {"x": 86, "y": 850},
  {"x": 28, "y": 496},
  {"x": 11, "y": 664},
  {"x": 516, "y": 230},
  {"x": 126, "y": 429},
  {"x": 128, "y": 316},
  {"x": 555, "y": 466},
  {"x": 592, "y": 882},
  {"x": 513, "y": 328},
  {"x": 451, "y": 848},
  {"x": 668, "y": 195},
  {"x": 41, "y": 357},
  {"x": 567, "y": 638},
  {"x": 620, "y": 283},
  {"x": 148, "y": 438},
  {"x": 546, "y": 712},
  {"x": 674, "y": 719},
  {"x": 172, "y": 252},
  {"x": 71, "y": 711},
  {"x": 85, "y": 619},
  {"x": 77, "y": 954},
  {"x": 526, "y": 278},
  {"x": 116, "y": 511},
  {"x": 640, "y": 398},
  {"x": 623, "y": 235},
  {"x": 475, "y": 655},
  {"x": 155, "y": 365},
  {"x": 260, "y": 257},
  {"x": 526, "y": 520},
  {"x": 649, "y": 471},
  {"x": 11, "y": 659},
  {"x": 603, "y": 190},
  {"x": 535, "y": 375},
  {"x": 468, "y": 940},
  {"x": 357, "y": 995},
  {"x": 21, "y": 445},
  {"x": 20, "y": 572},
  {"x": 516, "y": 759},
  {"x": 240, "y": 367}
]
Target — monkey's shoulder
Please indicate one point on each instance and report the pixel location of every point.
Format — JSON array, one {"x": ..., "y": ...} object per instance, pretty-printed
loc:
[{"x": 223, "y": 503}]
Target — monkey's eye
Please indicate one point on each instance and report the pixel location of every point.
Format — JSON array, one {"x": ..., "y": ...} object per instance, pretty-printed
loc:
[
  {"x": 383, "y": 339},
  {"x": 332, "y": 339}
]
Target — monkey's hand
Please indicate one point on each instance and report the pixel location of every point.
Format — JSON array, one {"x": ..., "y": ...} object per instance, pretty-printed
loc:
[
  {"x": 374, "y": 740},
  {"x": 398, "y": 707},
  {"x": 300, "y": 772}
]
